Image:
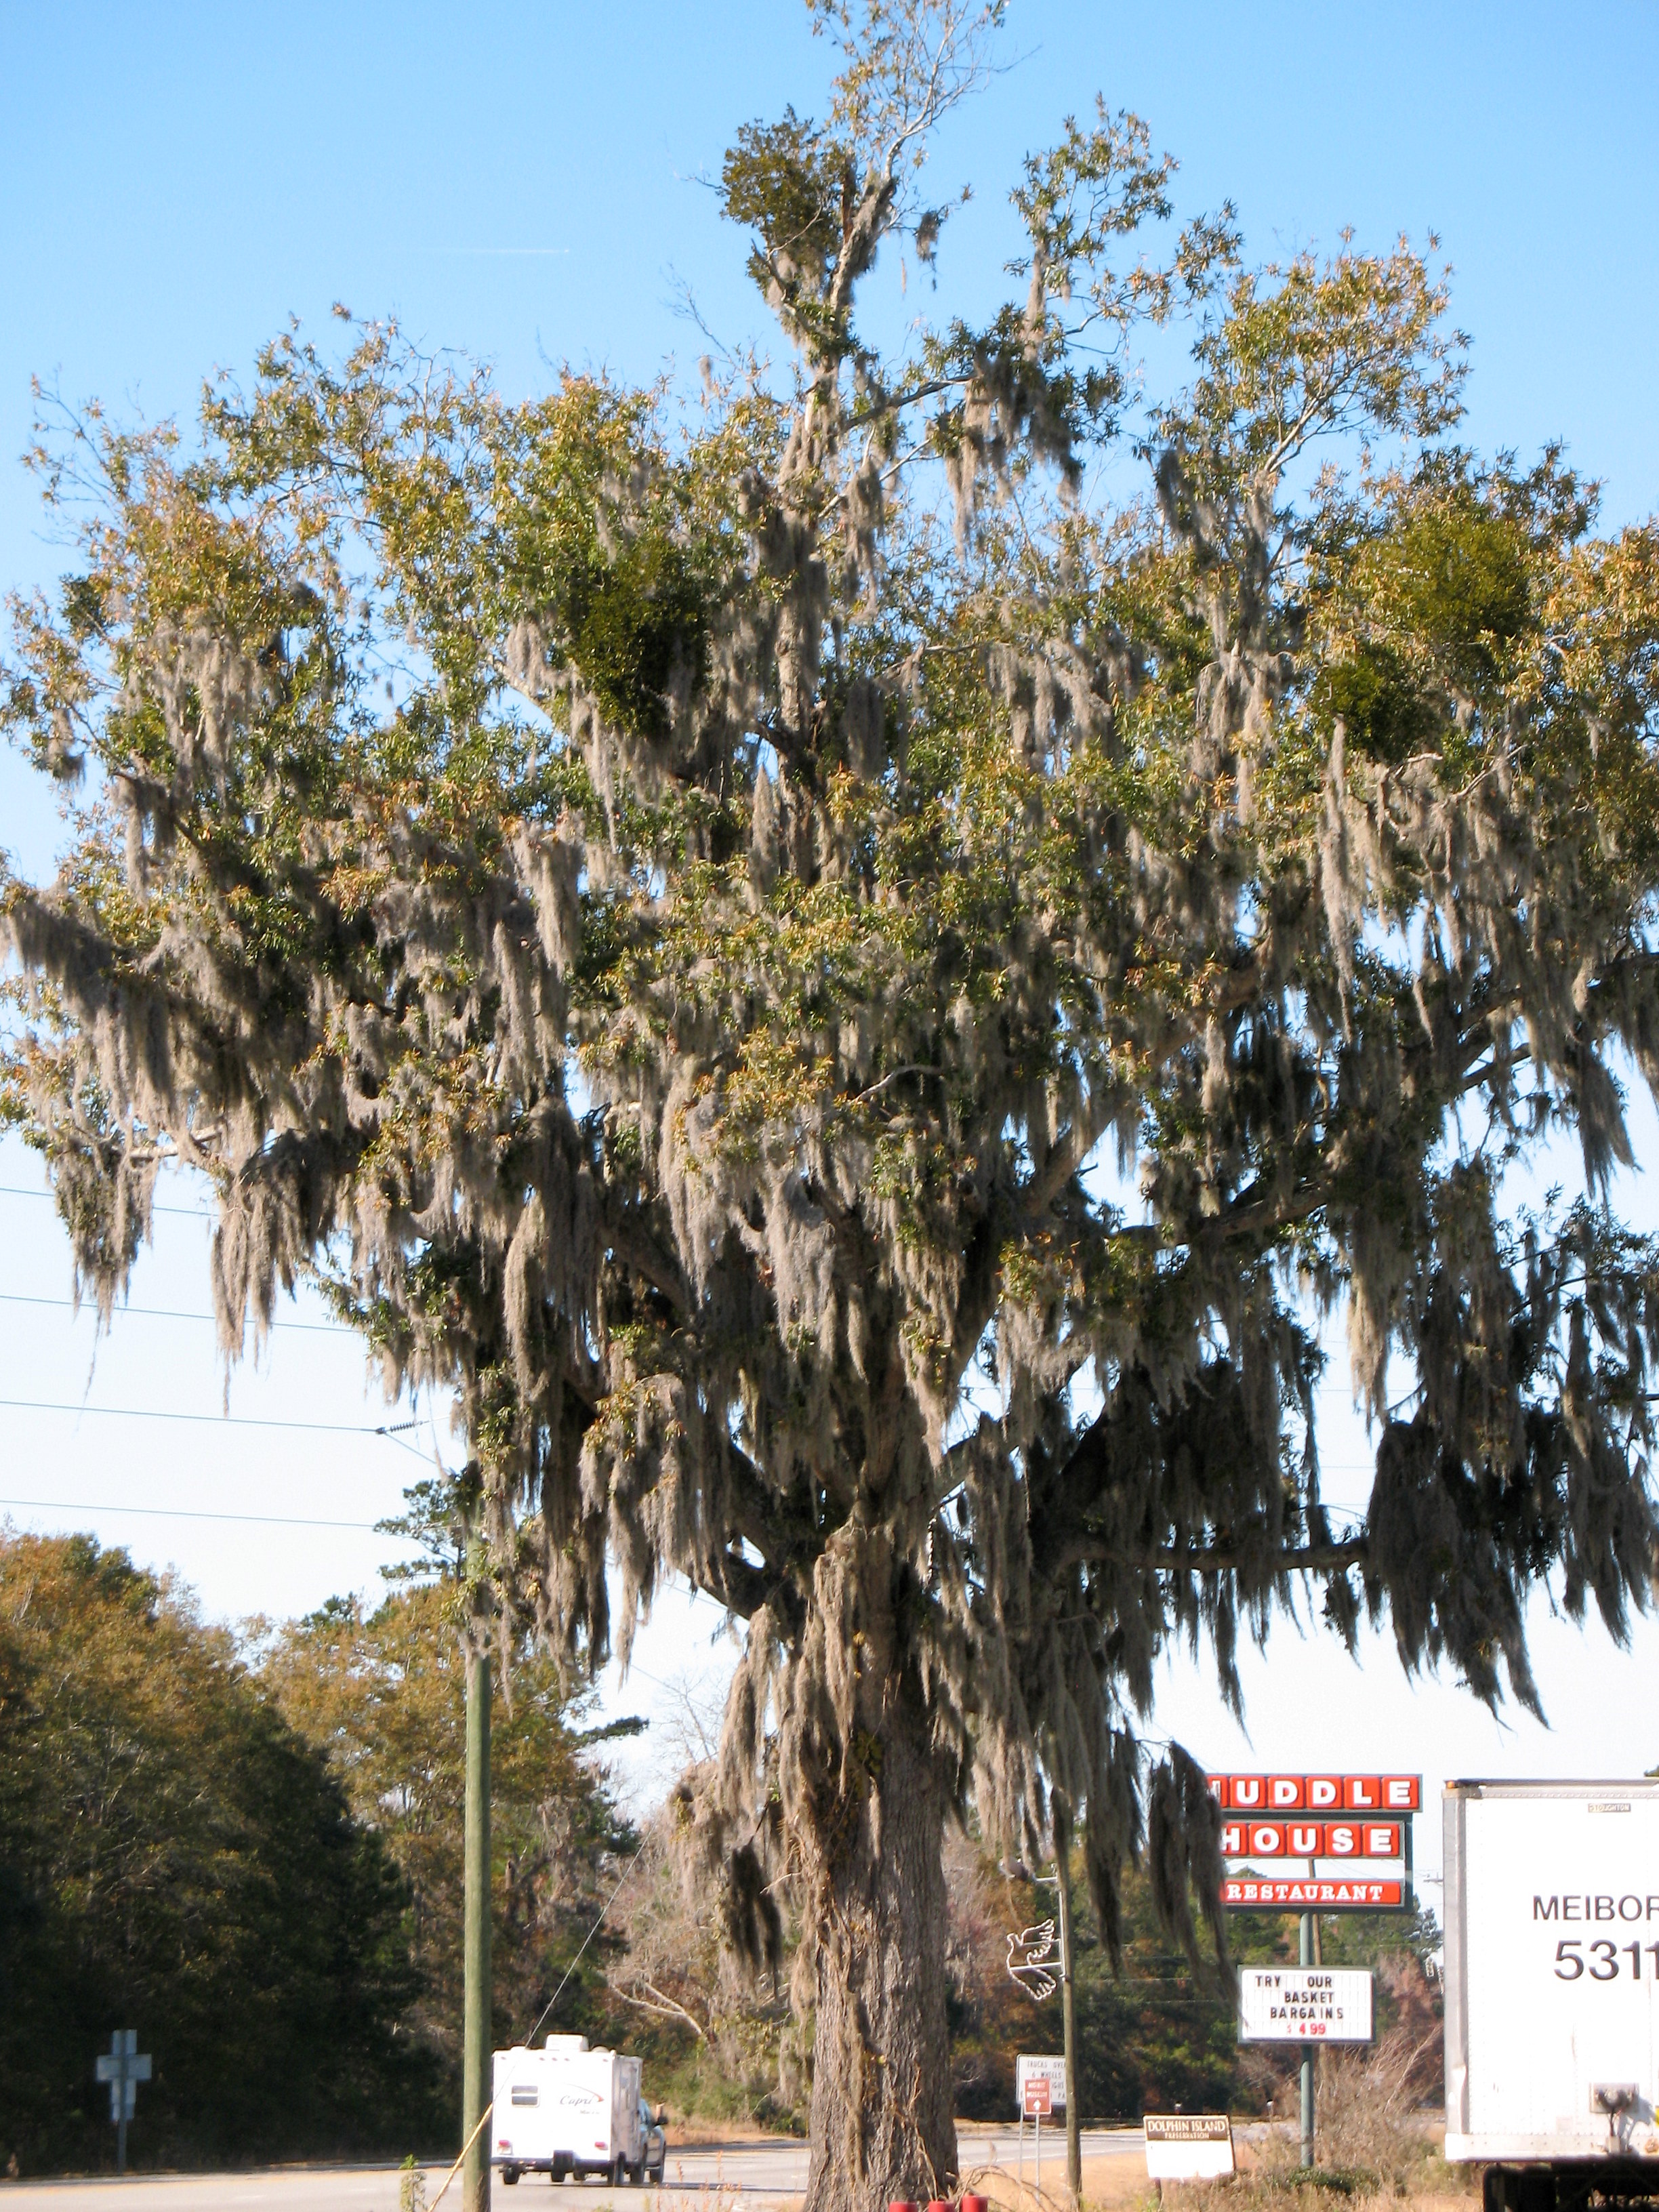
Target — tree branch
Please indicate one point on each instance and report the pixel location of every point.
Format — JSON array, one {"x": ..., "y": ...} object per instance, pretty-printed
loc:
[{"x": 658, "y": 2001}]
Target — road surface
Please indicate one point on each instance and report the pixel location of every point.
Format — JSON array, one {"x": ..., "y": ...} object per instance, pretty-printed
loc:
[{"x": 742, "y": 2171}]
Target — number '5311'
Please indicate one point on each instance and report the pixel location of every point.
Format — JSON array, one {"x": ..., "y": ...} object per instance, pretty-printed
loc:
[{"x": 1603, "y": 1962}]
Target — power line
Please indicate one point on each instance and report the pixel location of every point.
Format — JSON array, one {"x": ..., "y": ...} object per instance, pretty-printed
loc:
[
  {"x": 20, "y": 1191},
  {"x": 591, "y": 1934},
  {"x": 169, "y": 1313},
  {"x": 181, "y": 1513},
  {"x": 389, "y": 1429}
]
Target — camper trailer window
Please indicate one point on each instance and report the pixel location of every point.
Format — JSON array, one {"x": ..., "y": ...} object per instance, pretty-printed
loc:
[{"x": 525, "y": 2093}]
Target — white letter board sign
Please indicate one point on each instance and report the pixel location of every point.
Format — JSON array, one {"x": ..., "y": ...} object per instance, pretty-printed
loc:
[{"x": 1303, "y": 2004}]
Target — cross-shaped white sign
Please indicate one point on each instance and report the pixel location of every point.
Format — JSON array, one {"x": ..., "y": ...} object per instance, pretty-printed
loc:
[{"x": 124, "y": 2066}]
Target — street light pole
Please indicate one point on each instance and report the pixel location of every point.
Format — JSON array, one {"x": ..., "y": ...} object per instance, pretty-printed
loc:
[
  {"x": 1062, "y": 1821},
  {"x": 475, "y": 2056}
]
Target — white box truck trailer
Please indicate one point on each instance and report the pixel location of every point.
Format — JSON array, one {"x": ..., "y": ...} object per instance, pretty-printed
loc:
[
  {"x": 1552, "y": 1920},
  {"x": 567, "y": 2110}
]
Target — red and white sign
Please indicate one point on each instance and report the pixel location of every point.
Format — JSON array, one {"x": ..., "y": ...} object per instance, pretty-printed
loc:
[
  {"x": 1035, "y": 2070},
  {"x": 1311, "y": 1839},
  {"x": 1326, "y": 1822},
  {"x": 1384, "y": 1795},
  {"x": 1310, "y": 1892}
]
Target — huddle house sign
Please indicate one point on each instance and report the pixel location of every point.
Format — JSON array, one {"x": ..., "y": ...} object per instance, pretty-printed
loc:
[{"x": 1317, "y": 1842}]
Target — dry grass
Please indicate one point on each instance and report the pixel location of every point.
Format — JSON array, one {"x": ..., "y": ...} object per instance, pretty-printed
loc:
[
  {"x": 1377, "y": 2148},
  {"x": 1107, "y": 2182},
  {"x": 1374, "y": 2144}
]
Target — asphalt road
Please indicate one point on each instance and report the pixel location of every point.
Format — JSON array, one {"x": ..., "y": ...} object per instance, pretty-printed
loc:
[{"x": 747, "y": 2169}]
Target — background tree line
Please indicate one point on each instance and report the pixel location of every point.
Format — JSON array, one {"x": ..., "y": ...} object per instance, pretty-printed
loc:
[{"x": 252, "y": 1852}]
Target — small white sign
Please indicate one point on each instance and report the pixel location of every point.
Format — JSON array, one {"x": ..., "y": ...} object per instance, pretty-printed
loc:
[
  {"x": 1028, "y": 2068},
  {"x": 1187, "y": 2146},
  {"x": 1303, "y": 2004}
]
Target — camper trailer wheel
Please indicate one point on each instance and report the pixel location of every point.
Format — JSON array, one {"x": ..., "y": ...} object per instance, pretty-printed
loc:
[{"x": 509, "y": 2175}]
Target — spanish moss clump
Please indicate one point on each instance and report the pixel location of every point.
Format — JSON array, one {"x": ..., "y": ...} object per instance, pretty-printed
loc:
[{"x": 861, "y": 1004}]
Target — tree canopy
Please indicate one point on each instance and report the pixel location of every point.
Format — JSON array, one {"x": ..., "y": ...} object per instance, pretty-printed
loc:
[
  {"x": 859, "y": 964},
  {"x": 379, "y": 1691}
]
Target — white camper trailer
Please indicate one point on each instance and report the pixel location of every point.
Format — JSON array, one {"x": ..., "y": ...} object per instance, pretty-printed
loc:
[{"x": 567, "y": 2110}]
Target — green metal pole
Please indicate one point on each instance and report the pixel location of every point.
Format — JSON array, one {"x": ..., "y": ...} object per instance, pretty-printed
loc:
[
  {"x": 1068, "y": 1998},
  {"x": 1307, "y": 1949},
  {"x": 475, "y": 2058}
]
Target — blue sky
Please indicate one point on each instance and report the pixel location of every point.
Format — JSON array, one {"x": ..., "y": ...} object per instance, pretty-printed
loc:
[{"x": 524, "y": 183}]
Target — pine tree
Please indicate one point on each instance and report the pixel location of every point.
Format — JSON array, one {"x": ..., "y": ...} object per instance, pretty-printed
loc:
[{"x": 860, "y": 967}]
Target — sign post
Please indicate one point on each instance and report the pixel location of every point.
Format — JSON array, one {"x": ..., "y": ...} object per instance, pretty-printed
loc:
[
  {"x": 124, "y": 2066},
  {"x": 1038, "y": 2102},
  {"x": 1306, "y": 1953},
  {"x": 1353, "y": 1834},
  {"x": 1308, "y": 2005},
  {"x": 1040, "y": 2092}
]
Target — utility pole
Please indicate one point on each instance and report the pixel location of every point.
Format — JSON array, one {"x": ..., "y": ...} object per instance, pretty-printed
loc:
[
  {"x": 476, "y": 2087},
  {"x": 1062, "y": 1823}
]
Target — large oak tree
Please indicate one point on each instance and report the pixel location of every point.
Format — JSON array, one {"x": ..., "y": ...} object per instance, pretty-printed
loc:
[{"x": 859, "y": 965}]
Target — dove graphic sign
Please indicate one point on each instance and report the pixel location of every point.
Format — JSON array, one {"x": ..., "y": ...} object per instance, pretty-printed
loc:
[
  {"x": 1033, "y": 1958},
  {"x": 1317, "y": 1842}
]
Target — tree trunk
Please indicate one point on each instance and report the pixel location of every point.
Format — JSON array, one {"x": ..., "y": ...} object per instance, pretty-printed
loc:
[{"x": 883, "y": 2125}]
